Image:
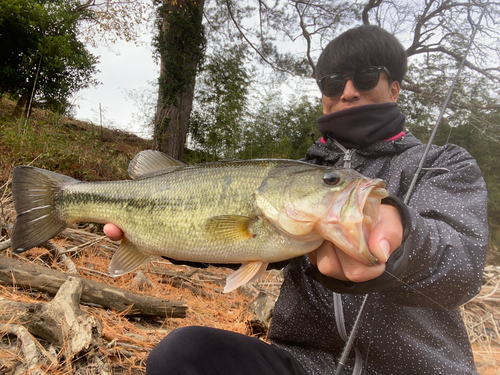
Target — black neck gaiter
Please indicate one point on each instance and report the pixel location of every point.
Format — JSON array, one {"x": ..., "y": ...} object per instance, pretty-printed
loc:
[{"x": 358, "y": 127}]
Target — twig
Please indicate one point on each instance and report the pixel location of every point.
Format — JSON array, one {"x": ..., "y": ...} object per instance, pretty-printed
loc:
[
  {"x": 82, "y": 246},
  {"x": 94, "y": 272},
  {"x": 5, "y": 245},
  {"x": 62, "y": 258},
  {"x": 491, "y": 293}
]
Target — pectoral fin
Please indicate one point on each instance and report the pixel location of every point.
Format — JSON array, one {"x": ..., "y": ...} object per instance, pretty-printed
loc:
[
  {"x": 127, "y": 259},
  {"x": 230, "y": 227},
  {"x": 247, "y": 273}
]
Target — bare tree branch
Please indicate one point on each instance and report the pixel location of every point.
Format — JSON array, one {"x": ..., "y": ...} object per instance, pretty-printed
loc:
[
  {"x": 307, "y": 37},
  {"x": 459, "y": 57},
  {"x": 413, "y": 87},
  {"x": 366, "y": 10},
  {"x": 238, "y": 27}
]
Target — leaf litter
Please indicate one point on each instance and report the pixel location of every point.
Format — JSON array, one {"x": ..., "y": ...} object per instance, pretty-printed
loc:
[{"x": 129, "y": 339}]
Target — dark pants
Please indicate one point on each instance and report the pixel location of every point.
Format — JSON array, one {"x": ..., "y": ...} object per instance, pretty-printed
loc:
[{"x": 210, "y": 351}]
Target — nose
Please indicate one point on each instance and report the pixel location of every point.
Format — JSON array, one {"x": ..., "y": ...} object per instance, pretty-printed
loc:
[{"x": 350, "y": 92}]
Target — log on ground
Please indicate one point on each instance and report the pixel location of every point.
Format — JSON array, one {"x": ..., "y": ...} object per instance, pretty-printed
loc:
[{"x": 31, "y": 276}]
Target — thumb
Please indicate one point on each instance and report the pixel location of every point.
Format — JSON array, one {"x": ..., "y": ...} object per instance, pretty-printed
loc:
[{"x": 387, "y": 234}]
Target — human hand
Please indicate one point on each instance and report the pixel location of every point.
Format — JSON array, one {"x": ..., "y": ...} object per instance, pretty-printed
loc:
[
  {"x": 113, "y": 232},
  {"x": 385, "y": 238}
]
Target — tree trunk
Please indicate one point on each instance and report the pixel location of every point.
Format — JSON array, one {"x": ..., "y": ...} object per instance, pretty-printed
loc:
[
  {"x": 172, "y": 124},
  {"x": 181, "y": 45},
  {"x": 19, "y": 108}
]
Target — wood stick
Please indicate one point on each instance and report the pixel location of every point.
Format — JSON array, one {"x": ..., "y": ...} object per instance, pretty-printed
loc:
[
  {"x": 31, "y": 276},
  {"x": 4, "y": 245}
]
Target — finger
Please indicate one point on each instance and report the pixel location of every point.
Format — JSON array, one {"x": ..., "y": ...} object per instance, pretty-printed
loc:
[
  {"x": 313, "y": 258},
  {"x": 113, "y": 232},
  {"x": 328, "y": 262},
  {"x": 387, "y": 235},
  {"x": 356, "y": 271}
]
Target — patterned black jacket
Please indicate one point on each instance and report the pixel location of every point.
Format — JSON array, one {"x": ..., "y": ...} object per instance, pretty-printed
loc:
[{"x": 413, "y": 323}]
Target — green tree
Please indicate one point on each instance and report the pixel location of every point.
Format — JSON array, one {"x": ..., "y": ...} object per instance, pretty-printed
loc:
[
  {"x": 221, "y": 102},
  {"x": 181, "y": 50},
  {"x": 41, "y": 53},
  {"x": 281, "y": 130}
]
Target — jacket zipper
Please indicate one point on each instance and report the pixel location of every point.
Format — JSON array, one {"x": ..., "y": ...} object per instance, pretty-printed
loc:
[{"x": 348, "y": 154}]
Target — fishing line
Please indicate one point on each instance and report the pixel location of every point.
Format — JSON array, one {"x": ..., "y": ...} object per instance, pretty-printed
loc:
[
  {"x": 416, "y": 290},
  {"x": 362, "y": 310}
]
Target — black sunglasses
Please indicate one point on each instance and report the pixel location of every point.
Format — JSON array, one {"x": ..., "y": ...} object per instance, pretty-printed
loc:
[{"x": 364, "y": 80}]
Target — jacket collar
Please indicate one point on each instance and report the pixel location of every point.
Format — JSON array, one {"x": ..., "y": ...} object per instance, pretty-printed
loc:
[{"x": 330, "y": 153}]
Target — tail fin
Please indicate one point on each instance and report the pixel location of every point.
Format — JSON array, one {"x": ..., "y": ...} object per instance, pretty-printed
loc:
[{"x": 34, "y": 192}]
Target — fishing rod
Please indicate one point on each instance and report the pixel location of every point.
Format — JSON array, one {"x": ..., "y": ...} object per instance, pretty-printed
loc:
[{"x": 362, "y": 310}]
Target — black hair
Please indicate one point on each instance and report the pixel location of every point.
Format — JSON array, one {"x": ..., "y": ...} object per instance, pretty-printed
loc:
[{"x": 361, "y": 48}]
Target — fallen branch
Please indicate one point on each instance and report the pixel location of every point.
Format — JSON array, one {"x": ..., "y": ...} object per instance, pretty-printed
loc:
[
  {"x": 63, "y": 323},
  {"x": 60, "y": 322},
  {"x": 32, "y": 355},
  {"x": 4, "y": 245},
  {"x": 31, "y": 276}
]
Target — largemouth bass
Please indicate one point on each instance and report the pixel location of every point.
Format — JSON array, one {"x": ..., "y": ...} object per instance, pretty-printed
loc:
[{"x": 251, "y": 212}]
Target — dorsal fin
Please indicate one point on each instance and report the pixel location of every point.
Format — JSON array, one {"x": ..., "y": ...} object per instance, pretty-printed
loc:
[{"x": 150, "y": 162}]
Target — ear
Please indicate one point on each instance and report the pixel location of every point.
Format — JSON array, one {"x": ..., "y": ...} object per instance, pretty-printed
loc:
[{"x": 394, "y": 90}]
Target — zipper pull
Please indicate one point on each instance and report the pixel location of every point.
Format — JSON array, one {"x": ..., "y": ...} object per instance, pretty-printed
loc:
[
  {"x": 348, "y": 154},
  {"x": 348, "y": 158}
]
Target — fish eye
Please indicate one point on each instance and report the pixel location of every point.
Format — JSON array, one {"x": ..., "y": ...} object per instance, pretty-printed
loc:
[{"x": 331, "y": 178}]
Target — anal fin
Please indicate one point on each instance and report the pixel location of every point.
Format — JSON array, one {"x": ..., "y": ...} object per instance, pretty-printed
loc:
[
  {"x": 247, "y": 273},
  {"x": 127, "y": 259}
]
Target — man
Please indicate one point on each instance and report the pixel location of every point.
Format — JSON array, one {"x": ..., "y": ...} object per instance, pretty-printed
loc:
[{"x": 431, "y": 252}]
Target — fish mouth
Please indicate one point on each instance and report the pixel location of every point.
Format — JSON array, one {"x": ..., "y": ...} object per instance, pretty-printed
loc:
[
  {"x": 350, "y": 230},
  {"x": 377, "y": 190}
]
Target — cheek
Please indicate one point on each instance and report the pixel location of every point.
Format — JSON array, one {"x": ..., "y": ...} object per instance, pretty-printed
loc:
[
  {"x": 377, "y": 96},
  {"x": 328, "y": 104}
]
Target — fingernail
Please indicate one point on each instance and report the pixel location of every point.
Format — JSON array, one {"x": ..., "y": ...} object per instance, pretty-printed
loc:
[{"x": 386, "y": 248}]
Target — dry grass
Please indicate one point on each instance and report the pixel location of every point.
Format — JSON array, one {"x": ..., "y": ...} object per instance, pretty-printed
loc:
[
  {"x": 482, "y": 319},
  {"x": 65, "y": 145},
  {"x": 128, "y": 340}
]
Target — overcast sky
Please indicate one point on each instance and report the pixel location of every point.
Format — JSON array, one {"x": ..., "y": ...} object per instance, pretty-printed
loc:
[{"x": 125, "y": 68}]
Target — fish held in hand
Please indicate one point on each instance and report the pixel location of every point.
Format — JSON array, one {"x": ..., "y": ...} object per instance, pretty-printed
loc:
[{"x": 252, "y": 212}]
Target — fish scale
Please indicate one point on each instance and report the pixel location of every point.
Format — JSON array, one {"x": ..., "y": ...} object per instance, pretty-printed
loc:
[{"x": 250, "y": 212}]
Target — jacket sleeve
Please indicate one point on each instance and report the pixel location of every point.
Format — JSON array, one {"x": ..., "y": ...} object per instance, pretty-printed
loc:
[{"x": 440, "y": 264}]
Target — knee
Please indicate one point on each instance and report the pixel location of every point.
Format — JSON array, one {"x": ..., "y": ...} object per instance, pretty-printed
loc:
[{"x": 180, "y": 349}]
